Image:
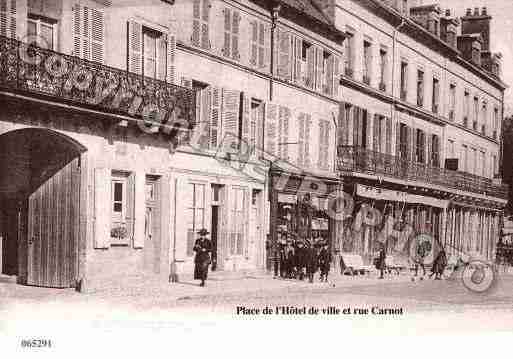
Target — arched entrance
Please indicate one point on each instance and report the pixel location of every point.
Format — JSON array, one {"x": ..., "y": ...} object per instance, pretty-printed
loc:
[{"x": 40, "y": 206}]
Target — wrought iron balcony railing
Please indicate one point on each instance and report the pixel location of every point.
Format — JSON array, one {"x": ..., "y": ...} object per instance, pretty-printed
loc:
[
  {"x": 357, "y": 159},
  {"x": 34, "y": 71}
]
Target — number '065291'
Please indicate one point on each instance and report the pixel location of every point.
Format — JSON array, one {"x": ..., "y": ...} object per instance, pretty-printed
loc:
[{"x": 36, "y": 343}]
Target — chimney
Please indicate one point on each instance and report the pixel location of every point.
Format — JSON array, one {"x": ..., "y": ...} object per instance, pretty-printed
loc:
[
  {"x": 449, "y": 29},
  {"x": 477, "y": 23},
  {"x": 327, "y": 7},
  {"x": 470, "y": 46},
  {"x": 427, "y": 16}
]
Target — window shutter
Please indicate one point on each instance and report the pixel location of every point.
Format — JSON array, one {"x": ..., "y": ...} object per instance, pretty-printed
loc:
[
  {"x": 162, "y": 55},
  {"x": 215, "y": 117},
  {"x": 327, "y": 132},
  {"x": 301, "y": 140},
  {"x": 227, "y": 32},
  {"x": 319, "y": 66},
  {"x": 77, "y": 31},
  {"x": 230, "y": 119},
  {"x": 196, "y": 23},
  {"x": 260, "y": 111},
  {"x": 413, "y": 144},
  {"x": 284, "y": 55},
  {"x": 235, "y": 35},
  {"x": 308, "y": 126},
  {"x": 357, "y": 126},
  {"x": 310, "y": 63},
  {"x": 186, "y": 82},
  {"x": 330, "y": 74},
  {"x": 182, "y": 216},
  {"x": 86, "y": 28},
  {"x": 398, "y": 139},
  {"x": 253, "y": 47},
  {"x": 298, "y": 49},
  {"x": 135, "y": 47},
  {"x": 349, "y": 117},
  {"x": 375, "y": 133},
  {"x": 8, "y": 18},
  {"x": 245, "y": 123},
  {"x": 342, "y": 125},
  {"x": 429, "y": 157},
  {"x": 271, "y": 114},
  {"x": 130, "y": 205},
  {"x": 284, "y": 120},
  {"x": 139, "y": 208},
  {"x": 171, "y": 53},
  {"x": 264, "y": 48},
  {"x": 322, "y": 134},
  {"x": 102, "y": 208},
  {"x": 97, "y": 35},
  {"x": 205, "y": 31},
  {"x": 388, "y": 135}
]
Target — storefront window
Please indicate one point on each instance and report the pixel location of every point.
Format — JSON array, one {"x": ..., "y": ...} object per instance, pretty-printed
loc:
[
  {"x": 195, "y": 214},
  {"x": 237, "y": 220}
]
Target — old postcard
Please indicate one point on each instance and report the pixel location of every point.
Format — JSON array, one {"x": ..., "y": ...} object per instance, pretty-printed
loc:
[{"x": 297, "y": 177}]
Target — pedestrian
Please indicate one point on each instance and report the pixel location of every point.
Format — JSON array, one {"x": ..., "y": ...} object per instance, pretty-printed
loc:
[
  {"x": 439, "y": 265},
  {"x": 300, "y": 259},
  {"x": 324, "y": 261},
  {"x": 311, "y": 261},
  {"x": 202, "y": 247},
  {"x": 289, "y": 259},
  {"x": 381, "y": 261}
]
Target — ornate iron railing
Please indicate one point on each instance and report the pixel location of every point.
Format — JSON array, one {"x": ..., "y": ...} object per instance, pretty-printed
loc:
[
  {"x": 34, "y": 71},
  {"x": 357, "y": 159}
]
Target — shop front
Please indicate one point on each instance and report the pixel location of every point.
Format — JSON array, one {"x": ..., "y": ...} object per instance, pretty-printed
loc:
[{"x": 299, "y": 213}]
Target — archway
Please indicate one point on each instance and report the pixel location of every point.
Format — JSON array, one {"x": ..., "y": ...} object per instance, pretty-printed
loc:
[{"x": 40, "y": 206}]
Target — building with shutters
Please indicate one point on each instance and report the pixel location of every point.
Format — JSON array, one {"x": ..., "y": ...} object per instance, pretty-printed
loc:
[{"x": 420, "y": 118}]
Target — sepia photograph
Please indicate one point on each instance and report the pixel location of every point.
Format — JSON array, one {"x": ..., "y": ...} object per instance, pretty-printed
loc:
[{"x": 256, "y": 177}]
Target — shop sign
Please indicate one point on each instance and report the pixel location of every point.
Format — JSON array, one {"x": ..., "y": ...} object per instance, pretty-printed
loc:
[{"x": 287, "y": 198}]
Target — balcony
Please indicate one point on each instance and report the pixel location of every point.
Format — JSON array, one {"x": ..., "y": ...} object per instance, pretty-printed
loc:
[
  {"x": 356, "y": 159},
  {"x": 65, "y": 79}
]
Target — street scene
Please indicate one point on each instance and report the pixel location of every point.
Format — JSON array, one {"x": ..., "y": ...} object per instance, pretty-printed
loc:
[{"x": 256, "y": 160}]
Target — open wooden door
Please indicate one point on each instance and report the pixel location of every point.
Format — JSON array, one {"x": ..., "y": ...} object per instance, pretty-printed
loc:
[{"x": 53, "y": 229}]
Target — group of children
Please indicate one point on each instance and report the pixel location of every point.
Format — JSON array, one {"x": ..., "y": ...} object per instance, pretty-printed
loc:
[{"x": 300, "y": 259}]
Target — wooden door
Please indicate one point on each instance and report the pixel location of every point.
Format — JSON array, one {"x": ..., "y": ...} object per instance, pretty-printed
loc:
[
  {"x": 53, "y": 229},
  {"x": 152, "y": 237}
]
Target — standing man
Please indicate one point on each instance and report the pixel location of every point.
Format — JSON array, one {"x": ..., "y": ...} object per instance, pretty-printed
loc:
[
  {"x": 202, "y": 247},
  {"x": 381, "y": 260}
]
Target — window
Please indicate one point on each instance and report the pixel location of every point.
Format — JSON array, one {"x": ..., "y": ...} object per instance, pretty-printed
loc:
[
  {"x": 464, "y": 158},
  {"x": 231, "y": 34},
  {"x": 121, "y": 206},
  {"x": 88, "y": 33},
  {"x": 495, "y": 123},
  {"x": 452, "y": 101},
  {"x": 435, "y": 150},
  {"x": 484, "y": 115},
  {"x": 473, "y": 159},
  {"x": 237, "y": 222},
  {"x": 348, "y": 55},
  {"x": 450, "y": 149},
  {"x": 421, "y": 145},
  {"x": 324, "y": 142},
  {"x": 195, "y": 214},
  {"x": 476, "y": 114},
  {"x": 383, "y": 62},
  {"x": 494, "y": 166},
  {"x": 367, "y": 61},
  {"x": 404, "y": 80},
  {"x": 466, "y": 111},
  {"x": 44, "y": 30},
  {"x": 435, "y": 95},
  {"x": 154, "y": 54},
  {"x": 482, "y": 162},
  {"x": 258, "y": 54},
  {"x": 420, "y": 88},
  {"x": 200, "y": 24},
  {"x": 403, "y": 141}
]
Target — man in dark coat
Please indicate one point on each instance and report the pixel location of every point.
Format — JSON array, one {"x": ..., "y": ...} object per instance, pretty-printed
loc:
[
  {"x": 311, "y": 261},
  {"x": 324, "y": 262},
  {"x": 300, "y": 259},
  {"x": 439, "y": 265},
  {"x": 381, "y": 261},
  {"x": 202, "y": 247}
]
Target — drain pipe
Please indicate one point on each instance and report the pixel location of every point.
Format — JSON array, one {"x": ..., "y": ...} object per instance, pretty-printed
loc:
[{"x": 275, "y": 13}]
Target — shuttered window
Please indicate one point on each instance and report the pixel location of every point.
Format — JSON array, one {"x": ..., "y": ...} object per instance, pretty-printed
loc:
[
  {"x": 324, "y": 142},
  {"x": 88, "y": 33},
  {"x": 231, "y": 34},
  {"x": 8, "y": 24},
  {"x": 238, "y": 218},
  {"x": 305, "y": 125},
  {"x": 271, "y": 129},
  {"x": 122, "y": 207},
  {"x": 259, "y": 45},
  {"x": 150, "y": 52},
  {"x": 195, "y": 213},
  {"x": 201, "y": 24},
  {"x": 284, "y": 118},
  {"x": 284, "y": 55},
  {"x": 230, "y": 120},
  {"x": 43, "y": 30}
]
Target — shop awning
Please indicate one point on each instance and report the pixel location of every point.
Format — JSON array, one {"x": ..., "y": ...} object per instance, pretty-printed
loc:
[{"x": 398, "y": 196}]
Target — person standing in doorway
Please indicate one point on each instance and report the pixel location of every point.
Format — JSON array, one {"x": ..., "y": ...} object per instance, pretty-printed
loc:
[{"x": 202, "y": 247}]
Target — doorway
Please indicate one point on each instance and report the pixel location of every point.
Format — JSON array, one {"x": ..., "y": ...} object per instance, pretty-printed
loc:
[
  {"x": 214, "y": 226},
  {"x": 40, "y": 195}
]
